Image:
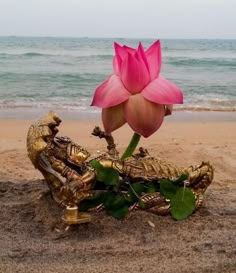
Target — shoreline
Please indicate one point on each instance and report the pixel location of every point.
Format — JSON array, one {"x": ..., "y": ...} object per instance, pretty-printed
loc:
[{"x": 177, "y": 115}]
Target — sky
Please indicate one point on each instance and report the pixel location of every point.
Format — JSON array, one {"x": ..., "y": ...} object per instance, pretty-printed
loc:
[{"x": 186, "y": 19}]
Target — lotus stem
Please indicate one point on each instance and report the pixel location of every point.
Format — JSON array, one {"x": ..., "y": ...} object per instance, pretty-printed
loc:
[{"x": 132, "y": 146}]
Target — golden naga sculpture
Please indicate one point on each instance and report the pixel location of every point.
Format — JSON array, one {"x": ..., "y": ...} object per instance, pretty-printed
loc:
[{"x": 67, "y": 169}]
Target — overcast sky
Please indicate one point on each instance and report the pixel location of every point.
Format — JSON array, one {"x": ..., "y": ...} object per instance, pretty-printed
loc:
[{"x": 119, "y": 18}]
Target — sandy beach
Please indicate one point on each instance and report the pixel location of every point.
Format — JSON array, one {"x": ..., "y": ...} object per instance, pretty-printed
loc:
[{"x": 34, "y": 240}]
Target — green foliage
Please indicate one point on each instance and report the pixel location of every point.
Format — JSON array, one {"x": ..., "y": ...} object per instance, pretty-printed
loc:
[
  {"x": 168, "y": 189},
  {"x": 180, "y": 180},
  {"x": 134, "y": 191},
  {"x": 116, "y": 205},
  {"x": 182, "y": 204},
  {"x": 152, "y": 186},
  {"x": 117, "y": 202},
  {"x": 118, "y": 213},
  {"x": 108, "y": 176},
  {"x": 182, "y": 199},
  {"x": 92, "y": 202},
  {"x": 114, "y": 202}
]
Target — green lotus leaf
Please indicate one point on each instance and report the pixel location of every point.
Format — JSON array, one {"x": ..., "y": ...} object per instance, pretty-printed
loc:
[
  {"x": 168, "y": 189},
  {"x": 118, "y": 213},
  {"x": 108, "y": 176},
  {"x": 134, "y": 192},
  {"x": 114, "y": 201},
  {"x": 152, "y": 186},
  {"x": 181, "y": 179},
  {"x": 182, "y": 204},
  {"x": 91, "y": 202}
]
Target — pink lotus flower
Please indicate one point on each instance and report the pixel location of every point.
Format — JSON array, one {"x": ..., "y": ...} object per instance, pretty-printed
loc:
[{"x": 136, "y": 93}]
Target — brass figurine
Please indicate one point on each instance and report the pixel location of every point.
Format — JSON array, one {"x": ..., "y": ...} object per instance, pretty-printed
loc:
[{"x": 66, "y": 168}]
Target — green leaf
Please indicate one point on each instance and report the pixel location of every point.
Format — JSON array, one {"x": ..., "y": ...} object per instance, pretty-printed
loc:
[
  {"x": 99, "y": 170},
  {"x": 108, "y": 176},
  {"x": 151, "y": 186},
  {"x": 118, "y": 213},
  {"x": 91, "y": 202},
  {"x": 108, "y": 198},
  {"x": 181, "y": 179},
  {"x": 114, "y": 201},
  {"x": 182, "y": 204},
  {"x": 134, "y": 192},
  {"x": 138, "y": 188},
  {"x": 168, "y": 189},
  {"x": 116, "y": 205}
]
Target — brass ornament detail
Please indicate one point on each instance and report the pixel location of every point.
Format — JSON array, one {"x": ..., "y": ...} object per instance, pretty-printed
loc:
[
  {"x": 72, "y": 216},
  {"x": 66, "y": 168}
]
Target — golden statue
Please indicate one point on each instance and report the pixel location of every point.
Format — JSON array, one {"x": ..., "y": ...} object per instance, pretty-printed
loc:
[{"x": 67, "y": 169}]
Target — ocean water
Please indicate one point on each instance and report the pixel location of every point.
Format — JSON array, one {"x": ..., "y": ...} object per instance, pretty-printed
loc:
[{"x": 38, "y": 74}]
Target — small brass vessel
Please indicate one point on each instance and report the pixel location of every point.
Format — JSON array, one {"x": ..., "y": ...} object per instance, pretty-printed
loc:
[{"x": 73, "y": 217}]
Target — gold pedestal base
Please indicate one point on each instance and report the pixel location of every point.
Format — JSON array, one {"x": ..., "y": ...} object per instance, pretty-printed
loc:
[{"x": 73, "y": 217}]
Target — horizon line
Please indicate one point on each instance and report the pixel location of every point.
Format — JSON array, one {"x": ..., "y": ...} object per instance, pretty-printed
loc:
[{"x": 103, "y": 37}]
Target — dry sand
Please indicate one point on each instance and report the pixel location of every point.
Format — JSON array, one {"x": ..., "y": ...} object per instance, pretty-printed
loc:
[{"x": 32, "y": 238}]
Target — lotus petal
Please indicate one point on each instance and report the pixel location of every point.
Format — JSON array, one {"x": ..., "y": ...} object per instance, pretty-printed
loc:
[
  {"x": 110, "y": 93},
  {"x": 162, "y": 91},
  {"x": 142, "y": 55},
  {"x": 113, "y": 118},
  {"x": 143, "y": 116},
  {"x": 134, "y": 73},
  {"x": 122, "y": 51},
  {"x": 121, "y": 54},
  {"x": 153, "y": 55},
  {"x": 129, "y": 49}
]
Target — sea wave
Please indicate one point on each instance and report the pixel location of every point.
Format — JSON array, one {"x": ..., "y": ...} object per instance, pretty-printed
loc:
[
  {"x": 58, "y": 103},
  {"x": 83, "y": 104},
  {"x": 53, "y": 77},
  {"x": 193, "y": 62},
  {"x": 27, "y": 54},
  {"x": 207, "y": 109},
  {"x": 68, "y": 54},
  {"x": 34, "y": 54},
  {"x": 63, "y": 73}
]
